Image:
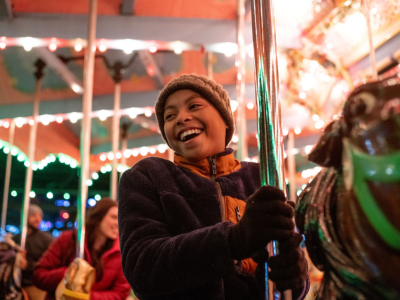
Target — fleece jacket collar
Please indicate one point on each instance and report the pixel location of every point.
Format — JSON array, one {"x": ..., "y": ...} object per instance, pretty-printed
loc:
[{"x": 225, "y": 161}]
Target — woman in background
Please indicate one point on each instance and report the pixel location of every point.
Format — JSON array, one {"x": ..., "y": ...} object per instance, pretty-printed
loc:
[{"x": 101, "y": 251}]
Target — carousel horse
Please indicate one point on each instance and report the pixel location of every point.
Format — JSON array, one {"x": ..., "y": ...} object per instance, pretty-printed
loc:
[
  {"x": 77, "y": 281},
  {"x": 350, "y": 212},
  {"x": 10, "y": 259}
]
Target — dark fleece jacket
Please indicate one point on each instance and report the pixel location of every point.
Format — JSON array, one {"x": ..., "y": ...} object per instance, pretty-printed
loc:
[{"x": 174, "y": 244}]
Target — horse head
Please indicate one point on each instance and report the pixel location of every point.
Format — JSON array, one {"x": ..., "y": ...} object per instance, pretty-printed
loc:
[{"x": 351, "y": 210}]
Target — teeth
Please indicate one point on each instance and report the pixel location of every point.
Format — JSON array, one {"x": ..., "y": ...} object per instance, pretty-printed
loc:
[{"x": 189, "y": 132}]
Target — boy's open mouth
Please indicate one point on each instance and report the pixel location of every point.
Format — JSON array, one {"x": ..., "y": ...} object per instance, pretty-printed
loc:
[{"x": 189, "y": 134}]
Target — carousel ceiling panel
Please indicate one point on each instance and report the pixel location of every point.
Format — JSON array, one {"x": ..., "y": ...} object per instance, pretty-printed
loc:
[
  {"x": 72, "y": 26},
  {"x": 104, "y": 7},
  {"x": 51, "y": 139},
  {"x": 191, "y": 30},
  {"x": 208, "y": 9}
]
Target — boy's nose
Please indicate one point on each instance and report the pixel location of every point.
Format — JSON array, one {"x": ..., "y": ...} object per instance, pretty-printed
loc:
[{"x": 182, "y": 118}]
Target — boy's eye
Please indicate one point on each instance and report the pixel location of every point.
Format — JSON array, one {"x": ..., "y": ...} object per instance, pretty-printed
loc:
[
  {"x": 168, "y": 116},
  {"x": 194, "y": 106}
]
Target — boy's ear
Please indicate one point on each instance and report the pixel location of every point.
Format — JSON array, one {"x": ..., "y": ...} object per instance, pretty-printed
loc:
[{"x": 226, "y": 126}]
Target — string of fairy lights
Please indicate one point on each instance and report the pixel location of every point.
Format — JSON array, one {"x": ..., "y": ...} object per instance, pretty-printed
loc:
[{"x": 125, "y": 45}]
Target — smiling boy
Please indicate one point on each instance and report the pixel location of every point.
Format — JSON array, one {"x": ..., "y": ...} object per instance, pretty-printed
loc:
[{"x": 188, "y": 229}]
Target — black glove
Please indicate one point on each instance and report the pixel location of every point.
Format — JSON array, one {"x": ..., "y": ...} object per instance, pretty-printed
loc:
[
  {"x": 267, "y": 217},
  {"x": 289, "y": 268}
]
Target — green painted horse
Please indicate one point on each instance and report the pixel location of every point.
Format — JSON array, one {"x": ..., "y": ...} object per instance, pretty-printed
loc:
[{"x": 350, "y": 212}]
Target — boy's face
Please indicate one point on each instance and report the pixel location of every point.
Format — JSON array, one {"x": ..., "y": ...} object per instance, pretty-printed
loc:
[{"x": 193, "y": 126}]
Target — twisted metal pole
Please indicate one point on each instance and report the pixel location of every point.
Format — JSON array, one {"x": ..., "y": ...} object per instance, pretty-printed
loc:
[
  {"x": 268, "y": 110},
  {"x": 115, "y": 140}
]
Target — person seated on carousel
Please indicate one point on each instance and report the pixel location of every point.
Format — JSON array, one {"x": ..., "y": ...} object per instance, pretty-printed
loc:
[
  {"x": 37, "y": 242},
  {"x": 101, "y": 251},
  {"x": 184, "y": 230}
]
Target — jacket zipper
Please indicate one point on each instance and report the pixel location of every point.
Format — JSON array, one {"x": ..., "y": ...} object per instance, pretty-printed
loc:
[
  {"x": 213, "y": 175},
  {"x": 237, "y": 214}
]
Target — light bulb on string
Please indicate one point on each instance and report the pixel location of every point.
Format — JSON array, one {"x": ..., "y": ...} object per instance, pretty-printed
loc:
[
  {"x": 59, "y": 119},
  {"x": 297, "y": 130},
  {"x": 103, "y": 157},
  {"x": 118, "y": 155},
  {"x": 148, "y": 113},
  {"x": 161, "y": 148},
  {"x": 132, "y": 114},
  {"x": 319, "y": 124},
  {"x": 73, "y": 118},
  {"x": 53, "y": 45},
  {"x": 127, "y": 153},
  {"x": 3, "y": 43},
  {"x": 153, "y": 49},
  {"x": 102, "y": 115},
  {"x": 143, "y": 151},
  {"x": 178, "y": 50},
  {"x": 285, "y": 132},
  {"x": 315, "y": 117},
  {"x": 6, "y": 124},
  {"x": 19, "y": 122},
  {"x": 78, "y": 47},
  {"x": 102, "y": 48},
  {"x": 250, "y": 105},
  {"x": 31, "y": 122},
  {"x": 28, "y": 47}
]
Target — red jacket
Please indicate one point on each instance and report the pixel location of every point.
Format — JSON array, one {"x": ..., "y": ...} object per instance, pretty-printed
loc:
[{"x": 50, "y": 270}]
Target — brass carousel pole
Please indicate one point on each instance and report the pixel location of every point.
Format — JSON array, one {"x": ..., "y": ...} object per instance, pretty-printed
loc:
[
  {"x": 7, "y": 178},
  {"x": 240, "y": 85},
  {"x": 86, "y": 126},
  {"x": 31, "y": 153},
  {"x": 367, "y": 11},
  {"x": 115, "y": 130},
  {"x": 268, "y": 109},
  {"x": 124, "y": 143}
]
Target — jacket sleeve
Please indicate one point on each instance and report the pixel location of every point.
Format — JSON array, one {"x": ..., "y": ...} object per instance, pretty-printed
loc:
[
  {"x": 155, "y": 262},
  {"x": 49, "y": 271},
  {"x": 120, "y": 290}
]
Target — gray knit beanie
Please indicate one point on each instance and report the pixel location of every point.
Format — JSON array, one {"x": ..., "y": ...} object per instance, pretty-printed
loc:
[
  {"x": 207, "y": 88},
  {"x": 33, "y": 209}
]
